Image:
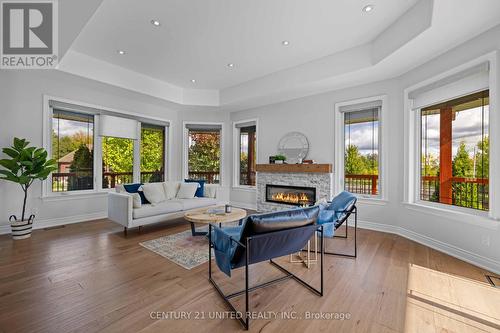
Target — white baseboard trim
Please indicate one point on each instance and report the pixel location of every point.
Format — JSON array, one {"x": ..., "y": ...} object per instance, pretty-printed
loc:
[
  {"x": 452, "y": 250},
  {"x": 54, "y": 222},
  {"x": 244, "y": 205}
]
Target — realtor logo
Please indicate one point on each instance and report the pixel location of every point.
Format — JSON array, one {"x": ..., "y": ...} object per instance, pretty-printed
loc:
[{"x": 29, "y": 34}]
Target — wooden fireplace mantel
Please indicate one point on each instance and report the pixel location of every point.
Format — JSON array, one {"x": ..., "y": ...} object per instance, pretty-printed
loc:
[{"x": 295, "y": 168}]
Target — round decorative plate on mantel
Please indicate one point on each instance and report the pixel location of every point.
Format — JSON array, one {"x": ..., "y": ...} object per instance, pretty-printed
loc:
[{"x": 294, "y": 146}]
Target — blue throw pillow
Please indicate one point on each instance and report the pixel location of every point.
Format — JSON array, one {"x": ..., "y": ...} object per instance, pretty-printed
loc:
[
  {"x": 134, "y": 188},
  {"x": 200, "y": 192}
]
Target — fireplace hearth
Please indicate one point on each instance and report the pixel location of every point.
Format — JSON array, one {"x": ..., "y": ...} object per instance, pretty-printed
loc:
[{"x": 291, "y": 195}]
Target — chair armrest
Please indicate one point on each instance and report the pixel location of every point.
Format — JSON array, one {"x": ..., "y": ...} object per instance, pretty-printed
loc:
[
  {"x": 222, "y": 234},
  {"x": 224, "y": 246},
  {"x": 120, "y": 208}
]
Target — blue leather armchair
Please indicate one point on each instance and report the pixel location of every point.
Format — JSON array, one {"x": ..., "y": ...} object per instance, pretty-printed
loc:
[
  {"x": 337, "y": 212},
  {"x": 263, "y": 237}
]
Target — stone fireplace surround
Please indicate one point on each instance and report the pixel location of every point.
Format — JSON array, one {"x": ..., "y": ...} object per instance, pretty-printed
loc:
[{"x": 322, "y": 180}]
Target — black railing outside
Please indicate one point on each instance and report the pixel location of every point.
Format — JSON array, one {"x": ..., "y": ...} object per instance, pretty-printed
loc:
[
  {"x": 247, "y": 178},
  {"x": 211, "y": 177},
  {"x": 361, "y": 184},
  {"x": 152, "y": 176},
  {"x": 466, "y": 192},
  {"x": 74, "y": 181}
]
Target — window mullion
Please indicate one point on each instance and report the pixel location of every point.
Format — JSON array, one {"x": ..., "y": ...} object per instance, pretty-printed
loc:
[{"x": 136, "y": 170}]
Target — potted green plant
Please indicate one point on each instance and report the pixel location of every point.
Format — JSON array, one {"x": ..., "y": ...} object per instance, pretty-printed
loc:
[
  {"x": 279, "y": 159},
  {"x": 25, "y": 165}
]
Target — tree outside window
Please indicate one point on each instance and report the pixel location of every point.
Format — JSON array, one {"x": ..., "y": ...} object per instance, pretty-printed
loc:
[
  {"x": 455, "y": 152},
  {"x": 204, "y": 154}
]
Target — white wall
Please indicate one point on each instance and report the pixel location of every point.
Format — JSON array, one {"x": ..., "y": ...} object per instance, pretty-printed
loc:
[
  {"x": 313, "y": 116},
  {"x": 21, "y": 115},
  {"x": 21, "y": 101}
]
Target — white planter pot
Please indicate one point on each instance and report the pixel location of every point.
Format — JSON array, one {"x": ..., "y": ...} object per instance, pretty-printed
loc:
[{"x": 21, "y": 229}]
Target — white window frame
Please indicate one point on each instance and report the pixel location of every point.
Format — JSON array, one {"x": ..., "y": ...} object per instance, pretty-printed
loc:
[
  {"x": 96, "y": 110},
  {"x": 339, "y": 144},
  {"x": 185, "y": 148},
  {"x": 236, "y": 153},
  {"x": 413, "y": 149},
  {"x": 166, "y": 151}
]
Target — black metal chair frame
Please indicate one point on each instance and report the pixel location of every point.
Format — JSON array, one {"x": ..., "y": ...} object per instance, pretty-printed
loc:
[
  {"x": 244, "y": 319},
  {"x": 353, "y": 210}
]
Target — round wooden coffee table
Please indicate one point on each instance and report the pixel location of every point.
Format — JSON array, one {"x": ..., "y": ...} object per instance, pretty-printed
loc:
[{"x": 200, "y": 215}]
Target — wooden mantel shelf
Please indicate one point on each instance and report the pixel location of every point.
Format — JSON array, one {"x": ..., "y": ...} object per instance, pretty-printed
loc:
[{"x": 295, "y": 168}]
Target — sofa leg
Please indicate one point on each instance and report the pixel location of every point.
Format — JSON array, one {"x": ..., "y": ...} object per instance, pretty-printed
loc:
[
  {"x": 125, "y": 229},
  {"x": 140, "y": 228}
]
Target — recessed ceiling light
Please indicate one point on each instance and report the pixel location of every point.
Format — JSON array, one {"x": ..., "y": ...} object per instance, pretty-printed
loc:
[
  {"x": 285, "y": 43},
  {"x": 193, "y": 81},
  {"x": 368, "y": 8},
  {"x": 121, "y": 52},
  {"x": 230, "y": 65},
  {"x": 156, "y": 23}
]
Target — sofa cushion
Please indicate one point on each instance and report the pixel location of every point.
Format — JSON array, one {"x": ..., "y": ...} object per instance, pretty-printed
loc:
[
  {"x": 164, "y": 207},
  {"x": 171, "y": 188},
  {"x": 154, "y": 192},
  {"x": 136, "y": 188},
  {"x": 211, "y": 190},
  {"x": 193, "y": 203},
  {"x": 136, "y": 200},
  {"x": 119, "y": 188},
  {"x": 187, "y": 190},
  {"x": 201, "y": 189}
]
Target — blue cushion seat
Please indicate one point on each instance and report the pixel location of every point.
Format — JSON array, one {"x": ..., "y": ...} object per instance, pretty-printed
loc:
[{"x": 333, "y": 214}]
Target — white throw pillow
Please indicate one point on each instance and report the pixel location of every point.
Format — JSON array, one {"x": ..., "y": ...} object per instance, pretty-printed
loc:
[
  {"x": 136, "y": 199},
  {"x": 154, "y": 192},
  {"x": 171, "y": 189},
  {"x": 119, "y": 188},
  {"x": 210, "y": 190},
  {"x": 187, "y": 190}
]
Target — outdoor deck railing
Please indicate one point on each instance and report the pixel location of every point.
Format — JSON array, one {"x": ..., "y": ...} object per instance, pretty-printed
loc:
[
  {"x": 361, "y": 184},
  {"x": 71, "y": 181},
  {"x": 466, "y": 192},
  {"x": 211, "y": 177}
]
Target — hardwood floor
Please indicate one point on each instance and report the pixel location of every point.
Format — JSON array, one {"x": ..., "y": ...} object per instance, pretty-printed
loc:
[{"x": 89, "y": 277}]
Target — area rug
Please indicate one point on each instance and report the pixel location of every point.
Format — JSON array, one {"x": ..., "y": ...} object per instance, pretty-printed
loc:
[{"x": 183, "y": 249}]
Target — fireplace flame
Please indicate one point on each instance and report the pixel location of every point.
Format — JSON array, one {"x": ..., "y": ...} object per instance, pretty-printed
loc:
[{"x": 294, "y": 198}]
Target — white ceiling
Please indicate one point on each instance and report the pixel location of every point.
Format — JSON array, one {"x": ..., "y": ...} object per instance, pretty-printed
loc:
[
  {"x": 333, "y": 45},
  {"x": 198, "y": 38}
]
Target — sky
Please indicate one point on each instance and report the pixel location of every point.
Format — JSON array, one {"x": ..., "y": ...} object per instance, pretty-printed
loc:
[
  {"x": 69, "y": 127},
  {"x": 362, "y": 135},
  {"x": 466, "y": 127}
]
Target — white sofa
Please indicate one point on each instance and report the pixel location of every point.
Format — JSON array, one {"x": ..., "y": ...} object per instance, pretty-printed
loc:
[{"x": 121, "y": 207}]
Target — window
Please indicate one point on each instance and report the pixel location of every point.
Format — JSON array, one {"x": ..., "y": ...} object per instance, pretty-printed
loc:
[
  {"x": 97, "y": 149},
  {"x": 73, "y": 149},
  {"x": 152, "y": 153},
  {"x": 361, "y": 151},
  {"x": 117, "y": 161},
  {"x": 454, "y": 145},
  {"x": 204, "y": 152},
  {"x": 246, "y": 155}
]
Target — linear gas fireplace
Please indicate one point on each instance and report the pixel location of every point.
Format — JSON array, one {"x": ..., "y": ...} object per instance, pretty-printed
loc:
[{"x": 291, "y": 195}]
